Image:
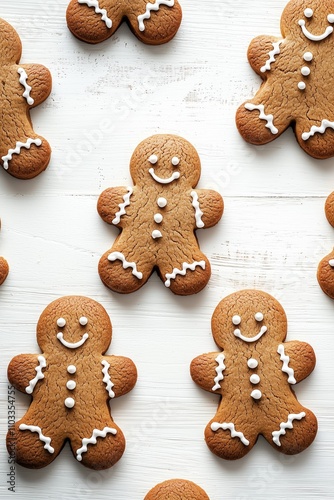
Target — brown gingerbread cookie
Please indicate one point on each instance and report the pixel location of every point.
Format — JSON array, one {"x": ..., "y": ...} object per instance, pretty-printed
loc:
[
  {"x": 152, "y": 21},
  {"x": 23, "y": 153},
  {"x": 253, "y": 374},
  {"x": 325, "y": 272},
  {"x": 71, "y": 384},
  {"x": 176, "y": 489},
  {"x": 297, "y": 74},
  {"x": 158, "y": 218},
  {"x": 4, "y": 268}
]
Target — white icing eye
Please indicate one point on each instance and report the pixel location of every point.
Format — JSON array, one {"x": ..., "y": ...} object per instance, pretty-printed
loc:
[
  {"x": 308, "y": 12},
  {"x": 83, "y": 321},
  {"x": 61, "y": 322},
  {"x": 175, "y": 161},
  {"x": 330, "y": 18},
  {"x": 236, "y": 320},
  {"x": 258, "y": 316},
  {"x": 153, "y": 159}
]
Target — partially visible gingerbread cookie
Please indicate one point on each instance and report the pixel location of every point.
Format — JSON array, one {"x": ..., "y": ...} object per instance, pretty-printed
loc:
[
  {"x": 158, "y": 218},
  {"x": 71, "y": 384},
  {"x": 23, "y": 153},
  {"x": 325, "y": 274},
  {"x": 253, "y": 373},
  {"x": 4, "y": 268},
  {"x": 297, "y": 74},
  {"x": 177, "y": 489},
  {"x": 329, "y": 209},
  {"x": 152, "y": 21}
]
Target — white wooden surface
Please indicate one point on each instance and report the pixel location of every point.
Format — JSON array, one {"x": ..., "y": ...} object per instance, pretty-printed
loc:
[{"x": 271, "y": 237}]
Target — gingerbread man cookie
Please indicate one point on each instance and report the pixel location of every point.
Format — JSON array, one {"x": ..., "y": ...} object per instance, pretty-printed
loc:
[
  {"x": 71, "y": 384},
  {"x": 253, "y": 374},
  {"x": 158, "y": 217},
  {"x": 325, "y": 273},
  {"x": 152, "y": 21},
  {"x": 176, "y": 489},
  {"x": 23, "y": 153},
  {"x": 4, "y": 268},
  {"x": 298, "y": 75}
]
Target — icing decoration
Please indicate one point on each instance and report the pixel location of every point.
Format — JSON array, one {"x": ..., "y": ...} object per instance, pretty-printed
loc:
[
  {"x": 175, "y": 161},
  {"x": 69, "y": 402},
  {"x": 286, "y": 368},
  {"x": 103, "y": 12},
  {"x": 35, "y": 428},
  {"x": 308, "y": 56},
  {"x": 325, "y": 124},
  {"x": 153, "y": 159},
  {"x": 174, "y": 177},
  {"x": 302, "y": 85},
  {"x": 198, "y": 211},
  {"x": 158, "y": 218},
  {"x": 119, "y": 256},
  {"x": 61, "y": 322},
  {"x": 305, "y": 71},
  {"x": 83, "y": 321},
  {"x": 238, "y": 334},
  {"x": 236, "y": 320},
  {"x": 269, "y": 118},
  {"x": 152, "y": 6},
  {"x": 39, "y": 375},
  {"x": 315, "y": 38},
  {"x": 71, "y": 345},
  {"x": 331, "y": 262},
  {"x": 272, "y": 54},
  {"x": 162, "y": 202},
  {"x": 254, "y": 379},
  {"x": 308, "y": 12},
  {"x": 182, "y": 272},
  {"x": 259, "y": 316},
  {"x": 17, "y": 150},
  {"x": 229, "y": 426},
  {"x": 71, "y": 369},
  {"x": 219, "y": 370},
  {"x": 71, "y": 385},
  {"x": 286, "y": 425},
  {"x": 252, "y": 363},
  {"x": 107, "y": 379},
  {"x": 256, "y": 394},
  {"x": 23, "y": 81},
  {"x": 122, "y": 206},
  {"x": 156, "y": 234},
  {"x": 93, "y": 440}
]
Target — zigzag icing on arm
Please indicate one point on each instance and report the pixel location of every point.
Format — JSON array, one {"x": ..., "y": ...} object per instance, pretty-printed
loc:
[
  {"x": 229, "y": 426},
  {"x": 39, "y": 375},
  {"x": 98, "y": 10},
  {"x": 198, "y": 211},
  {"x": 286, "y": 368},
  {"x": 269, "y": 118},
  {"x": 286, "y": 425},
  {"x": 152, "y": 6},
  {"x": 119, "y": 256},
  {"x": 17, "y": 150},
  {"x": 45, "y": 439},
  {"x": 272, "y": 54},
  {"x": 182, "y": 272},
  {"x": 219, "y": 370},
  {"x": 23, "y": 81},
  {"x": 107, "y": 379},
  {"x": 325, "y": 124},
  {"x": 122, "y": 207},
  {"x": 93, "y": 440}
]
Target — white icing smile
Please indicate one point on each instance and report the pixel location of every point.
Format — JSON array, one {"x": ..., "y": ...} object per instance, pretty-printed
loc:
[
  {"x": 71, "y": 345},
  {"x": 174, "y": 177},
  {"x": 316, "y": 38},
  {"x": 238, "y": 334}
]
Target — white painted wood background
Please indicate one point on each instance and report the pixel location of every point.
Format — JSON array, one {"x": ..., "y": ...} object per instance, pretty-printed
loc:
[{"x": 271, "y": 237}]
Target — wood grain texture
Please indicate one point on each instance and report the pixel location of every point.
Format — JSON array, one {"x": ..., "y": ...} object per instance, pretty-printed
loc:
[{"x": 105, "y": 100}]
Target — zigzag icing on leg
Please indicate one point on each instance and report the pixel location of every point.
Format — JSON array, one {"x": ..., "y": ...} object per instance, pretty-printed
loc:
[
  {"x": 93, "y": 440},
  {"x": 119, "y": 256},
  {"x": 152, "y": 6},
  {"x": 17, "y": 150},
  {"x": 45, "y": 439},
  {"x": 229, "y": 426},
  {"x": 103, "y": 12},
  {"x": 182, "y": 272},
  {"x": 325, "y": 124},
  {"x": 286, "y": 425}
]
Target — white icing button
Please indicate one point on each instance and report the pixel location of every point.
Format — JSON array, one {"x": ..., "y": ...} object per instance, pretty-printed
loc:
[
  {"x": 236, "y": 320},
  {"x": 156, "y": 234},
  {"x": 71, "y": 385},
  {"x": 330, "y": 18},
  {"x": 331, "y": 262},
  {"x": 254, "y": 379},
  {"x": 153, "y": 159},
  {"x": 83, "y": 321},
  {"x": 308, "y": 12},
  {"x": 305, "y": 71},
  {"x": 256, "y": 394},
  {"x": 302, "y": 86},
  {"x": 308, "y": 56},
  {"x": 175, "y": 161},
  {"x": 69, "y": 402},
  {"x": 258, "y": 316},
  {"x": 71, "y": 369},
  {"x": 162, "y": 202},
  {"x": 158, "y": 218},
  {"x": 61, "y": 322},
  {"x": 252, "y": 363}
]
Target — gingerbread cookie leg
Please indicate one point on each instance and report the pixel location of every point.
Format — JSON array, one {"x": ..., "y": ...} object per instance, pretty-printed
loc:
[{"x": 316, "y": 136}]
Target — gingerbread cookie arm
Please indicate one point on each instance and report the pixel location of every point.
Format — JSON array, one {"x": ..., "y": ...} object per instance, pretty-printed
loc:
[
  {"x": 263, "y": 52},
  {"x": 120, "y": 375},
  {"x": 4, "y": 270},
  {"x": 112, "y": 205},
  {"x": 298, "y": 360},
  {"x": 325, "y": 274},
  {"x": 208, "y": 206},
  {"x": 207, "y": 371},
  {"x": 25, "y": 371},
  {"x": 36, "y": 82}
]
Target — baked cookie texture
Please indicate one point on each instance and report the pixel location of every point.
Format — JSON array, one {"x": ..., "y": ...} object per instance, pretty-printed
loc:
[
  {"x": 4, "y": 268},
  {"x": 71, "y": 384},
  {"x": 153, "y": 22},
  {"x": 298, "y": 75},
  {"x": 23, "y": 153},
  {"x": 253, "y": 373},
  {"x": 158, "y": 217},
  {"x": 177, "y": 489},
  {"x": 325, "y": 272}
]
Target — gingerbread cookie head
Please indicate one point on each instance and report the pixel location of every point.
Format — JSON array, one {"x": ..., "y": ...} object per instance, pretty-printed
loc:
[
  {"x": 71, "y": 383},
  {"x": 297, "y": 72},
  {"x": 23, "y": 154},
  {"x": 176, "y": 489},
  {"x": 152, "y": 21}
]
